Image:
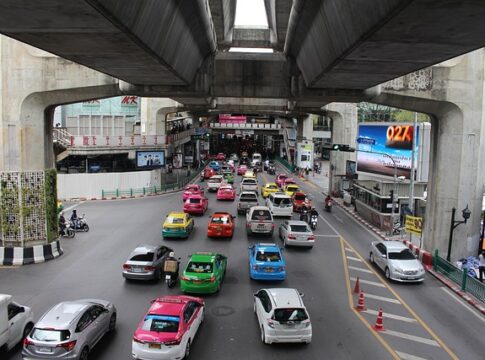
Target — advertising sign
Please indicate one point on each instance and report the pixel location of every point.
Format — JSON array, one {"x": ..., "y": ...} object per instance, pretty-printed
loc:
[
  {"x": 188, "y": 159},
  {"x": 414, "y": 224},
  {"x": 230, "y": 119},
  {"x": 150, "y": 159},
  {"x": 392, "y": 139},
  {"x": 350, "y": 169},
  {"x": 178, "y": 160}
]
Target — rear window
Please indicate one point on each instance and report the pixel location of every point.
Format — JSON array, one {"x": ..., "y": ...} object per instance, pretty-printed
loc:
[
  {"x": 215, "y": 180},
  {"x": 172, "y": 220},
  {"x": 300, "y": 228},
  {"x": 199, "y": 267},
  {"x": 272, "y": 187},
  {"x": 281, "y": 201},
  {"x": 292, "y": 314},
  {"x": 248, "y": 197},
  {"x": 161, "y": 323},
  {"x": 220, "y": 220},
  {"x": 268, "y": 256},
  {"x": 249, "y": 182},
  {"x": 142, "y": 257},
  {"x": 261, "y": 215},
  {"x": 292, "y": 188},
  {"x": 194, "y": 201},
  {"x": 50, "y": 335}
]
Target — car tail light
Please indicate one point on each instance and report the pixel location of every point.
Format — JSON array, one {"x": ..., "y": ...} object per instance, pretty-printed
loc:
[
  {"x": 149, "y": 268},
  {"x": 311, "y": 237},
  {"x": 172, "y": 342},
  {"x": 126, "y": 266},
  {"x": 212, "y": 279},
  {"x": 270, "y": 323},
  {"x": 135, "y": 339},
  {"x": 185, "y": 278},
  {"x": 28, "y": 342},
  {"x": 292, "y": 237},
  {"x": 68, "y": 345},
  {"x": 248, "y": 225},
  {"x": 272, "y": 225}
]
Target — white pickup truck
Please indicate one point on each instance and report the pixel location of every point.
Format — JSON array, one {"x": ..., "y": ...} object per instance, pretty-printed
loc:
[
  {"x": 215, "y": 182},
  {"x": 16, "y": 321}
]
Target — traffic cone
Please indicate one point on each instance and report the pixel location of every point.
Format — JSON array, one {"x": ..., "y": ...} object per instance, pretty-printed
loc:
[
  {"x": 379, "y": 326},
  {"x": 360, "y": 304},
  {"x": 357, "y": 286}
]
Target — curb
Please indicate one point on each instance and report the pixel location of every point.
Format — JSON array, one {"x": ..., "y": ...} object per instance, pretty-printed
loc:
[{"x": 16, "y": 256}]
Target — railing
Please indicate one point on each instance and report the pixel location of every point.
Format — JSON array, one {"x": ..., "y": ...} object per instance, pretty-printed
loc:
[
  {"x": 61, "y": 136},
  {"x": 285, "y": 163},
  {"x": 255, "y": 126},
  {"x": 93, "y": 141},
  {"x": 460, "y": 277},
  {"x": 171, "y": 139}
]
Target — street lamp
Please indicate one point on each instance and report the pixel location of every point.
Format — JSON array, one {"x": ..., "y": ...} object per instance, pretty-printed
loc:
[{"x": 454, "y": 223}]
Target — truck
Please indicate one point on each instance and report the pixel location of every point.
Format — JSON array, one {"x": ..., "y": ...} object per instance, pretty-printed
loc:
[
  {"x": 16, "y": 322},
  {"x": 304, "y": 154}
]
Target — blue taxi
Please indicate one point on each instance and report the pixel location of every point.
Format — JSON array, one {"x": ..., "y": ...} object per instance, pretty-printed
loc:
[{"x": 266, "y": 262}]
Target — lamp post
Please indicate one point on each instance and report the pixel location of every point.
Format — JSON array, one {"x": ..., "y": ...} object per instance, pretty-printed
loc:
[{"x": 454, "y": 223}]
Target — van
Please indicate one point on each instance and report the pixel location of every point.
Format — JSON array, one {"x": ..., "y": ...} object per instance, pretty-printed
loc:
[
  {"x": 259, "y": 220},
  {"x": 16, "y": 322},
  {"x": 256, "y": 158}
]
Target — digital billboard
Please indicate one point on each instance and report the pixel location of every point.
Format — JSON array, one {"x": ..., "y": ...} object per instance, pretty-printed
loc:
[
  {"x": 393, "y": 139},
  {"x": 150, "y": 159}
]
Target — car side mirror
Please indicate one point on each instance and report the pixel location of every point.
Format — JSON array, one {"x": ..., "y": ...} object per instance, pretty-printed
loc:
[{"x": 302, "y": 294}]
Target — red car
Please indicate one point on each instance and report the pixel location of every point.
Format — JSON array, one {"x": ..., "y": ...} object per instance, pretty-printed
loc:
[
  {"x": 289, "y": 181},
  {"x": 232, "y": 167},
  {"x": 226, "y": 192},
  {"x": 168, "y": 328},
  {"x": 241, "y": 169},
  {"x": 221, "y": 224},
  {"x": 220, "y": 157},
  {"x": 192, "y": 190},
  {"x": 196, "y": 204},
  {"x": 208, "y": 173},
  {"x": 301, "y": 201},
  {"x": 280, "y": 178}
]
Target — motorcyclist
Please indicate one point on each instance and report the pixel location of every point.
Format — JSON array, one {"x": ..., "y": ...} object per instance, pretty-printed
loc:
[
  {"x": 62, "y": 224},
  {"x": 304, "y": 216},
  {"x": 74, "y": 218},
  {"x": 328, "y": 200},
  {"x": 171, "y": 257},
  {"x": 313, "y": 212}
]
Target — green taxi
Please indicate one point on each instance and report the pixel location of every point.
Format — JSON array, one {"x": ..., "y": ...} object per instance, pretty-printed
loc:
[
  {"x": 204, "y": 273},
  {"x": 177, "y": 225},
  {"x": 228, "y": 176}
]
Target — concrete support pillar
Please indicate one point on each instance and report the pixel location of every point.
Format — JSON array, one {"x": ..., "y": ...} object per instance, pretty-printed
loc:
[
  {"x": 154, "y": 114},
  {"x": 305, "y": 127},
  {"x": 344, "y": 131}
]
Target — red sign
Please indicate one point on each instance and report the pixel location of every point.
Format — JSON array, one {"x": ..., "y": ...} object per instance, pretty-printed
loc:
[
  {"x": 129, "y": 101},
  {"x": 229, "y": 119}
]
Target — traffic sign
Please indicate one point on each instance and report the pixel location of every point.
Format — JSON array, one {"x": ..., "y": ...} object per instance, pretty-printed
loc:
[{"x": 366, "y": 141}]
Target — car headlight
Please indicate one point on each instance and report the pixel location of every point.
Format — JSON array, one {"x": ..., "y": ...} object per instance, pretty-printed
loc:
[{"x": 398, "y": 270}]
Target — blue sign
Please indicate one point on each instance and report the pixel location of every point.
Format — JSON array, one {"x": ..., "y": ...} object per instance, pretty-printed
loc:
[{"x": 366, "y": 141}]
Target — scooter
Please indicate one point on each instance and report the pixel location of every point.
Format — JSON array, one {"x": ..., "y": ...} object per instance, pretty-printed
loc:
[
  {"x": 313, "y": 221},
  {"x": 80, "y": 224},
  {"x": 328, "y": 205},
  {"x": 171, "y": 270},
  {"x": 271, "y": 170},
  {"x": 68, "y": 231}
]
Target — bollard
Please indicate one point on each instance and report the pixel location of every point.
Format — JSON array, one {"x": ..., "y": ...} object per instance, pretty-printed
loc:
[
  {"x": 144, "y": 191},
  {"x": 117, "y": 192},
  {"x": 154, "y": 189},
  {"x": 102, "y": 194},
  {"x": 464, "y": 278},
  {"x": 131, "y": 192},
  {"x": 435, "y": 259}
]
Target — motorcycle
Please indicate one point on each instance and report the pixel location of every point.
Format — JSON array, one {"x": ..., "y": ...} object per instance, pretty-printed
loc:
[
  {"x": 313, "y": 221},
  {"x": 80, "y": 224},
  {"x": 328, "y": 205},
  {"x": 271, "y": 170},
  {"x": 68, "y": 231},
  {"x": 171, "y": 270}
]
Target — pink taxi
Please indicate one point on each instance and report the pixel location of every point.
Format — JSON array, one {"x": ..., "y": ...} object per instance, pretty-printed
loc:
[
  {"x": 192, "y": 190},
  {"x": 226, "y": 192},
  {"x": 196, "y": 204}
]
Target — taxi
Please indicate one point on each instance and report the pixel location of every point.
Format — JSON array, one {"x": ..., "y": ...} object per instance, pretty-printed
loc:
[
  {"x": 280, "y": 178},
  {"x": 204, "y": 273},
  {"x": 291, "y": 189},
  {"x": 221, "y": 224},
  {"x": 214, "y": 165},
  {"x": 177, "y": 225},
  {"x": 196, "y": 204},
  {"x": 241, "y": 169},
  {"x": 220, "y": 157},
  {"x": 228, "y": 176},
  {"x": 266, "y": 262},
  {"x": 269, "y": 188},
  {"x": 226, "y": 192},
  {"x": 209, "y": 172},
  {"x": 301, "y": 201},
  {"x": 249, "y": 174},
  {"x": 192, "y": 190}
]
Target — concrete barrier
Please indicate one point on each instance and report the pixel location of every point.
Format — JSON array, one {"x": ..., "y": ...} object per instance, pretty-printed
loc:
[{"x": 30, "y": 255}]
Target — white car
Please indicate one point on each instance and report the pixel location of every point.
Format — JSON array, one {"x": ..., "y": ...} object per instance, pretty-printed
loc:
[
  {"x": 282, "y": 316},
  {"x": 259, "y": 221},
  {"x": 16, "y": 322},
  {"x": 397, "y": 261},
  {"x": 280, "y": 204},
  {"x": 256, "y": 158},
  {"x": 297, "y": 233},
  {"x": 249, "y": 184},
  {"x": 214, "y": 182}
]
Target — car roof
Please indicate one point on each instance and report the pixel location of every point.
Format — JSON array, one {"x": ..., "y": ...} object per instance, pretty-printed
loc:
[
  {"x": 248, "y": 193},
  {"x": 281, "y": 194},
  {"x": 177, "y": 214},
  {"x": 226, "y": 186},
  {"x": 299, "y": 193},
  {"x": 62, "y": 315},
  {"x": 255, "y": 208},
  {"x": 144, "y": 248},
  {"x": 291, "y": 186},
  {"x": 270, "y": 183},
  {"x": 267, "y": 247},
  {"x": 195, "y": 196},
  {"x": 168, "y": 305},
  {"x": 285, "y": 297},
  {"x": 220, "y": 213},
  {"x": 296, "y": 222},
  {"x": 394, "y": 245},
  {"x": 203, "y": 256}
]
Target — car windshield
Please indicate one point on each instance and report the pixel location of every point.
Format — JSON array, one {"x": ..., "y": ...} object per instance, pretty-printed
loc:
[
  {"x": 248, "y": 197},
  {"x": 50, "y": 335},
  {"x": 199, "y": 267},
  {"x": 281, "y": 201},
  {"x": 300, "y": 197},
  {"x": 142, "y": 257},
  {"x": 220, "y": 220},
  {"x": 175, "y": 220},
  {"x": 292, "y": 188},
  {"x": 215, "y": 180},
  {"x": 261, "y": 215},
  {"x": 291, "y": 314},
  {"x": 405, "y": 254},
  {"x": 161, "y": 323},
  {"x": 300, "y": 228},
  {"x": 249, "y": 182},
  {"x": 271, "y": 187},
  {"x": 194, "y": 201},
  {"x": 268, "y": 256}
]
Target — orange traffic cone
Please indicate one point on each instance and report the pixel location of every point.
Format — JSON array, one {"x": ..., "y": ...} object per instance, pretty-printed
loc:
[
  {"x": 360, "y": 304},
  {"x": 379, "y": 326},
  {"x": 357, "y": 286}
]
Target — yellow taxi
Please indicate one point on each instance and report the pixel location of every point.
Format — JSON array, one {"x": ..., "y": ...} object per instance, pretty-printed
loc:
[
  {"x": 291, "y": 189},
  {"x": 249, "y": 174},
  {"x": 177, "y": 225},
  {"x": 269, "y": 188}
]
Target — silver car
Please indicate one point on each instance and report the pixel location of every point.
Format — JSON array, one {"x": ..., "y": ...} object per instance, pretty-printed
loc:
[
  {"x": 70, "y": 330},
  {"x": 146, "y": 262},
  {"x": 397, "y": 261},
  {"x": 297, "y": 233}
]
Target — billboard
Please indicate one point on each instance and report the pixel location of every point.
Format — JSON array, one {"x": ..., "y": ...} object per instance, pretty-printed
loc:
[
  {"x": 232, "y": 119},
  {"x": 150, "y": 159},
  {"x": 393, "y": 139},
  {"x": 178, "y": 161}
]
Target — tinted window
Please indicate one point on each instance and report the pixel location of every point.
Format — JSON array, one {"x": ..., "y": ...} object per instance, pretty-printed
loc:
[
  {"x": 172, "y": 220},
  {"x": 189, "y": 311},
  {"x": 285, "y": 315},
  {"x": 381, "y": 248},
  {"x": 50, "y": 335},
  {"x": 272, "y": 187},
  {"x": 268, "y": 256},
  {"x": 220, "y": 220},
  {"x": 249, "y": 182},
  {"x": 300, "y": 228},
  {"x": 84, "y": 321},
  {"x": 199, "y": 267},
  {"x": 194, "y": 201},
  {"x": 300, "y": 197},
  {"x": 248, "y": 197},
  {"x": 265, "y": 301},
  {"x": 261, "y": 215},
  {"x": 13, "y": 310},
  {"x": 281, "y": 201},
  {"x": 142, "y": 257},
  {"x": 96, "y": 311},
  {"x": 161, "y": 323},
  {"x": 405, "y": 254}
]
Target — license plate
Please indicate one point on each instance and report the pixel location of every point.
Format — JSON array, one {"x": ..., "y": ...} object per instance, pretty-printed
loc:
[
  {"x": 168, "y": 277},
  {"x": 45, "y": 349},
  {"x": 137, "y": 270},
  {"x": 268, "y": 270},
  {"x": 261, "y": 226},
  {"x": 154, "y": 346}
]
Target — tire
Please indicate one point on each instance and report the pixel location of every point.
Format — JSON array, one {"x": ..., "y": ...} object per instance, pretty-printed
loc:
[
  {"x": 27, "y": 330},
  {"x": 387, "y": 273},
  {"x": 112, "y": 323},
  {"x": 85, "y": 228},
  {"x": 71, "y": 233},
  {"x": 187, "y": 350},
  {"x": 263, "y": 336},
  {"x": 84, "y": 354},
  {"x": 371, "y": 258}
]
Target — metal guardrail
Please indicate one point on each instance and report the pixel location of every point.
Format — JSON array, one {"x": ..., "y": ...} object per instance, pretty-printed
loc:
[
  {"x": 285, "y": 163},
  {"x": 460, "y": 277}
]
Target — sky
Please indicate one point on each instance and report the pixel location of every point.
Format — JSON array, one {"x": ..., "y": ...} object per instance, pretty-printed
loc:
[{"x": 250, "y": 13}]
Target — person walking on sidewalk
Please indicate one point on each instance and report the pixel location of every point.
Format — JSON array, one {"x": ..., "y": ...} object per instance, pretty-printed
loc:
[{"x": 481, "y": 265}]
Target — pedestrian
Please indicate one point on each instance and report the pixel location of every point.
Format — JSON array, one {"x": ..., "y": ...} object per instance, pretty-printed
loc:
[{"x": 481, "y": 265}]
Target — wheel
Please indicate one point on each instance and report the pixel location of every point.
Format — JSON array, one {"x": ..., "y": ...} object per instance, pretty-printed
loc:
[
  {"x": 187, "y": 350},
  {"x": 388, "y": 274},
  {"x": 27, "y": 330},
  {"x": 85, "y": 227},
  {"x": 84, "y": 354},
  {"x": 71, "y": 233},
  {"x": 263, "y": 336},
  {"x": 112, "y": 323},
  {"x": 371, "y": 258}
]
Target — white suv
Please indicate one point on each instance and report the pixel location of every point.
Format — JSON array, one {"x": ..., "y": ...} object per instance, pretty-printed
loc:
[
  {"x": 259, "y": 221},
  {"x": 249, "y": 184},
  {"x": 280, "y": 204},
  {"x": 215, "y": 182},
  {"x": 282, "y": 316}
]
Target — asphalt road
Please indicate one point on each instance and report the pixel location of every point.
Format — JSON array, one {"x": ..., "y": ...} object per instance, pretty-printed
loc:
[{"x": 91, "y": 268}]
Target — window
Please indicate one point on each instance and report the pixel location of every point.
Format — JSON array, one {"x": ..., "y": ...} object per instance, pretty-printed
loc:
[
  {"x": 161, "y": 323},
  {"x": 174, "y": 220},
  {"x": 189, "y": 311},
  {"x": 265, "y": 300},
  {"x": 300, "y": 228},
  {"x": 305, "y": 158},
  {"x": 261, "y": 215},
  {"x": 282, "y": 201},
  {"x": 147, "y": 257},
  {"x": 199, "y": 267},
  {"x": 96, "y": 311},
  {"x": 268, "y": 256},
  {"x": 248, "y": 197},
  {"x": 194, "y": 201},
  {"x": 300, "y": 197},
  {"x": 220, "y": 220},
  {"x": 285, "y": 315},
  {"x": 13, "y": 310},
  {"x": 84, "y": 321},
  {"x": 404, "y": 254},
  {"x": 50, "y": 335},
  {"x": 381, "y": 248}
]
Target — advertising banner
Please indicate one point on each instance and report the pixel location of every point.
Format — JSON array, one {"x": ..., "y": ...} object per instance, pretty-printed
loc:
[
  {"x": 414, "y": 224},
  {"x": 393, "y": 139},
  {"x": 150, "y": 159},
  {"x": 230, "y": 119},
  {"x": 178, "y": 160}
]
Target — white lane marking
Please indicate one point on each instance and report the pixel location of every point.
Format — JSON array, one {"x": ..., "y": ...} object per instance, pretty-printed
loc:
[
  {"x": 391, "y": 316},
  {"x": 73, "y": 206},
  {"x": 323, "y": 235},
  {"x": 329, "y": 225},
  {"x": 382, "y": 298},
  {"x": 446, "y": 290},
  {"x": 353, "y": 258},
  {"x": 411, "y": 337},
  {"x": 360, "y": 269},
  {"x": 405, "y": 356},
  {"x": 349, "y": 250},
  {"x": 368, "y": 282},
  {"x": 339, "y": 219}
]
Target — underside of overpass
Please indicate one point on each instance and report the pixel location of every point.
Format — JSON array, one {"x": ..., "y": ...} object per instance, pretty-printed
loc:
[{"x": 324, "y": 51}]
